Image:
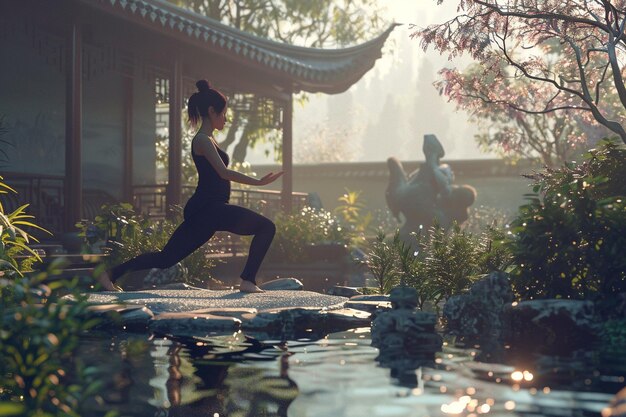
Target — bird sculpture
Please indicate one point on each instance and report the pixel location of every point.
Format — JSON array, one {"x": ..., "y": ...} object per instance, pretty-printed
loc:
[{"x": 427, "y": 195}]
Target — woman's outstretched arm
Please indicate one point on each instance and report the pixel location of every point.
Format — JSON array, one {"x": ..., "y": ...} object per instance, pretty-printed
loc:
[{"x": 207, "y": 148}]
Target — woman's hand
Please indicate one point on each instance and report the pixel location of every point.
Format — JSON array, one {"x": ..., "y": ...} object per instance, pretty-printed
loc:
[{"x": 269, "y": 178}]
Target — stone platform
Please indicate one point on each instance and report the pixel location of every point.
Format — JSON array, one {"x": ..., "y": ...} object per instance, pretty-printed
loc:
[
  {"x": 188, "y": 312},
  {"x": 190, "y": 298}
]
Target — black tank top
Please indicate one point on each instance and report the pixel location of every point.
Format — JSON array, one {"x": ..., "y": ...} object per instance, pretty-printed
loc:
[{"x": 211, "y": 187}]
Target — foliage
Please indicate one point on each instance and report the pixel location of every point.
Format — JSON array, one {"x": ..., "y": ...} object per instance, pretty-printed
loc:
[
  {"x": 39, "y": 374},
  {"x": 128, "y": 234},
  {"x": 614, "y": 335},
  {"x": 327, "y": 144},
  {"x": 295, "y": 232},
  {"x": 438, "y": 263},
  {"x": 14, "y": 239},
  {"x": 351, "y": 216},
  {"x": 381, "y": 262},
  {"x": 314, "y": 23},
  {"x": 566, "y": 55},
  {"x": 569, "y": 239},
  {"x": 552, "y": 138},
  {"x": 39, "y": 330}
]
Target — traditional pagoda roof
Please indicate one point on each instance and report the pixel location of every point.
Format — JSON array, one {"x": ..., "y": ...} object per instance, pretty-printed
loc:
[{"x": 306, "y": 69}]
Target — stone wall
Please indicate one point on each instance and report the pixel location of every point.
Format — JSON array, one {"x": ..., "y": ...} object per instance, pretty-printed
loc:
[{"x": 498, "y": 185}]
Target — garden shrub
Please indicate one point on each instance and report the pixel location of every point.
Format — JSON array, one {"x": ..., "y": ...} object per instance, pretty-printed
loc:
[
  {"x": 39, "y": 330},
  {"x": 296, "y": 231},
  {"x": 352, "y": 216},
  {"x": 569, "y": 239},
  {"x": 437, "y": 263}
]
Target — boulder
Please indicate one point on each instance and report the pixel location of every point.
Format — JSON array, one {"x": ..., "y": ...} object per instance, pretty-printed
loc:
[
  {"x": 343, "y": 291},
  {"x": 121, "y": 316},
  {"x": 240, "y": 313},
  {"x": 295, "y": 323},
  {"x": 282, "y": 284},
  {"x": 552, "y": 326},
  {"x": 477, "y": 316},
  {"x": 159, "y": 277},
  {"x": 192, "y": 324},
  {"x": 405, "y": 337},
  {"x": 370, "y": 297},
  {"x": 372, "y": 307}
]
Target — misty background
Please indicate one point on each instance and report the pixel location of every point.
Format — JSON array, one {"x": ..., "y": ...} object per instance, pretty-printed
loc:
[{"x": 389, "y": 110}]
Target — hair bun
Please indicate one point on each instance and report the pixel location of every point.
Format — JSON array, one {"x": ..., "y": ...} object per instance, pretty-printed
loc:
[{"x": 203, "y": 86}]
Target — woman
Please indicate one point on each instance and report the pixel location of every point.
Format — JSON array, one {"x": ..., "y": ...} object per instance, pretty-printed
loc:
[{"x": 208, "y": 210}]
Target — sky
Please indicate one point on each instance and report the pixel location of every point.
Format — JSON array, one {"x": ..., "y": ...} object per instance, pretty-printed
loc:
[{"x": 393, "y": 79}]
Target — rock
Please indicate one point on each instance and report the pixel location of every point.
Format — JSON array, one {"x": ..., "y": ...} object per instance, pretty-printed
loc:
[
  {"x": 295, "y": 323},
  {"x": 241, "y": 313},
  {"x": 343, "y": 291},
  {"x": 120, "y": 316},
  {"x": 551, "y": 326},
  {"x": 346, "y": 318},
  {"x": 372, "y": 307},
  {"x": 477, "y": 316},
  {"x": 282, "y": 284},
  {"x": 192, "y": 324},
  {"x": 285, "y": 323},
  {"x": 374, "y": 297},
  {"x": 159, "y": 277},
  {"x": 406, "y": 338}
]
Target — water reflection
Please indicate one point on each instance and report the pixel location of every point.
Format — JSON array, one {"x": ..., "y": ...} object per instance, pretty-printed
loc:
[
  {"x": 338, "y": 376},
  {"x": 220, "y": 376}
]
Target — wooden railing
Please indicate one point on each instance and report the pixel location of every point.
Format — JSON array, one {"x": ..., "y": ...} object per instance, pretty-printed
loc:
[
  {"x": 43, "y": 193},
  {"x": 151, "y": 199},
  {"x": 45, "y": 196}
]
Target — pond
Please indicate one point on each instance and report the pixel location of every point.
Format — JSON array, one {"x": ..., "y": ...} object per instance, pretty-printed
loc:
[{"x": 337, "y": 376}]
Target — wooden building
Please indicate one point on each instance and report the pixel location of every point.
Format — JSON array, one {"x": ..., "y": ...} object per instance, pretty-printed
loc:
[{"x": 81, "y": 80}]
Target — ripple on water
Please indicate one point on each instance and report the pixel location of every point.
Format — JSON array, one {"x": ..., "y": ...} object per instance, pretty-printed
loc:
[{"x": 342, "y": 379}]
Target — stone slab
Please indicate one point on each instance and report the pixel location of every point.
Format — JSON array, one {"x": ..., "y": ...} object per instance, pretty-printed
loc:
[{"x": 184, "y": 300}]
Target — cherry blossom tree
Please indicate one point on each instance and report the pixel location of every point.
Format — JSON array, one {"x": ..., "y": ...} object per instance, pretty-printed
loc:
[
  {"x": 552, "y": 138},
  {"x": 563, "y": 58}
]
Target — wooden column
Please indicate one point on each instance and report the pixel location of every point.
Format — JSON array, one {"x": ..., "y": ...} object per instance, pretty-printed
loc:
[
  {"x": 73, "y": 128},
  {"x": 174, "y": 184},
  {"x": 127, "y": 176},
  {"x": 287, "y": 188}
]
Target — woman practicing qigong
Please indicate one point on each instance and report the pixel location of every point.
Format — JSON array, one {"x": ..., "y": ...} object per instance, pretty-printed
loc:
[{"x": 208, "y": 210}]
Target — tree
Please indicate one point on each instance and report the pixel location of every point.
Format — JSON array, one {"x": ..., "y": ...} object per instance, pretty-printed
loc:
[
  {"x": 522, "y": 40},
  {"x": 327, "y": 144},
  {"x": 552, "y": 138},
  {"x": 313, "y": 23}
]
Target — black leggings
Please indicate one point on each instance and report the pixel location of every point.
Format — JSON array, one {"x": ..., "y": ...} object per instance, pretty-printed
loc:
[{"x": 197, "y": 229}]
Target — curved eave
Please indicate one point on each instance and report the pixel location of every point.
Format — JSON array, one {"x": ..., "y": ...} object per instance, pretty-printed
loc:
[{"x": 305, "y": 69}]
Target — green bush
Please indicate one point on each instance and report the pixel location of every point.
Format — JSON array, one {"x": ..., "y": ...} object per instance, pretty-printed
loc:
[
  {"x": 296, "y": 231},
  {"x": 128, "y": 235},
  {"x": 39, "y": 330},
  {"x": 352, "y": 216},
  {"x": 569, "y": 239},
  {"x": 437, "y": 263},
  {"x": 39, "y": 374},
  {"x": 15, "y": 254},
  {"x": 381, "y": 261}
]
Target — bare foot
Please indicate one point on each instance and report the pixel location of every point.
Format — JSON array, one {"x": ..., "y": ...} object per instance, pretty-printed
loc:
[
  {"x": 106, "y": 283},
  {"x": 247, "y": 286}
]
